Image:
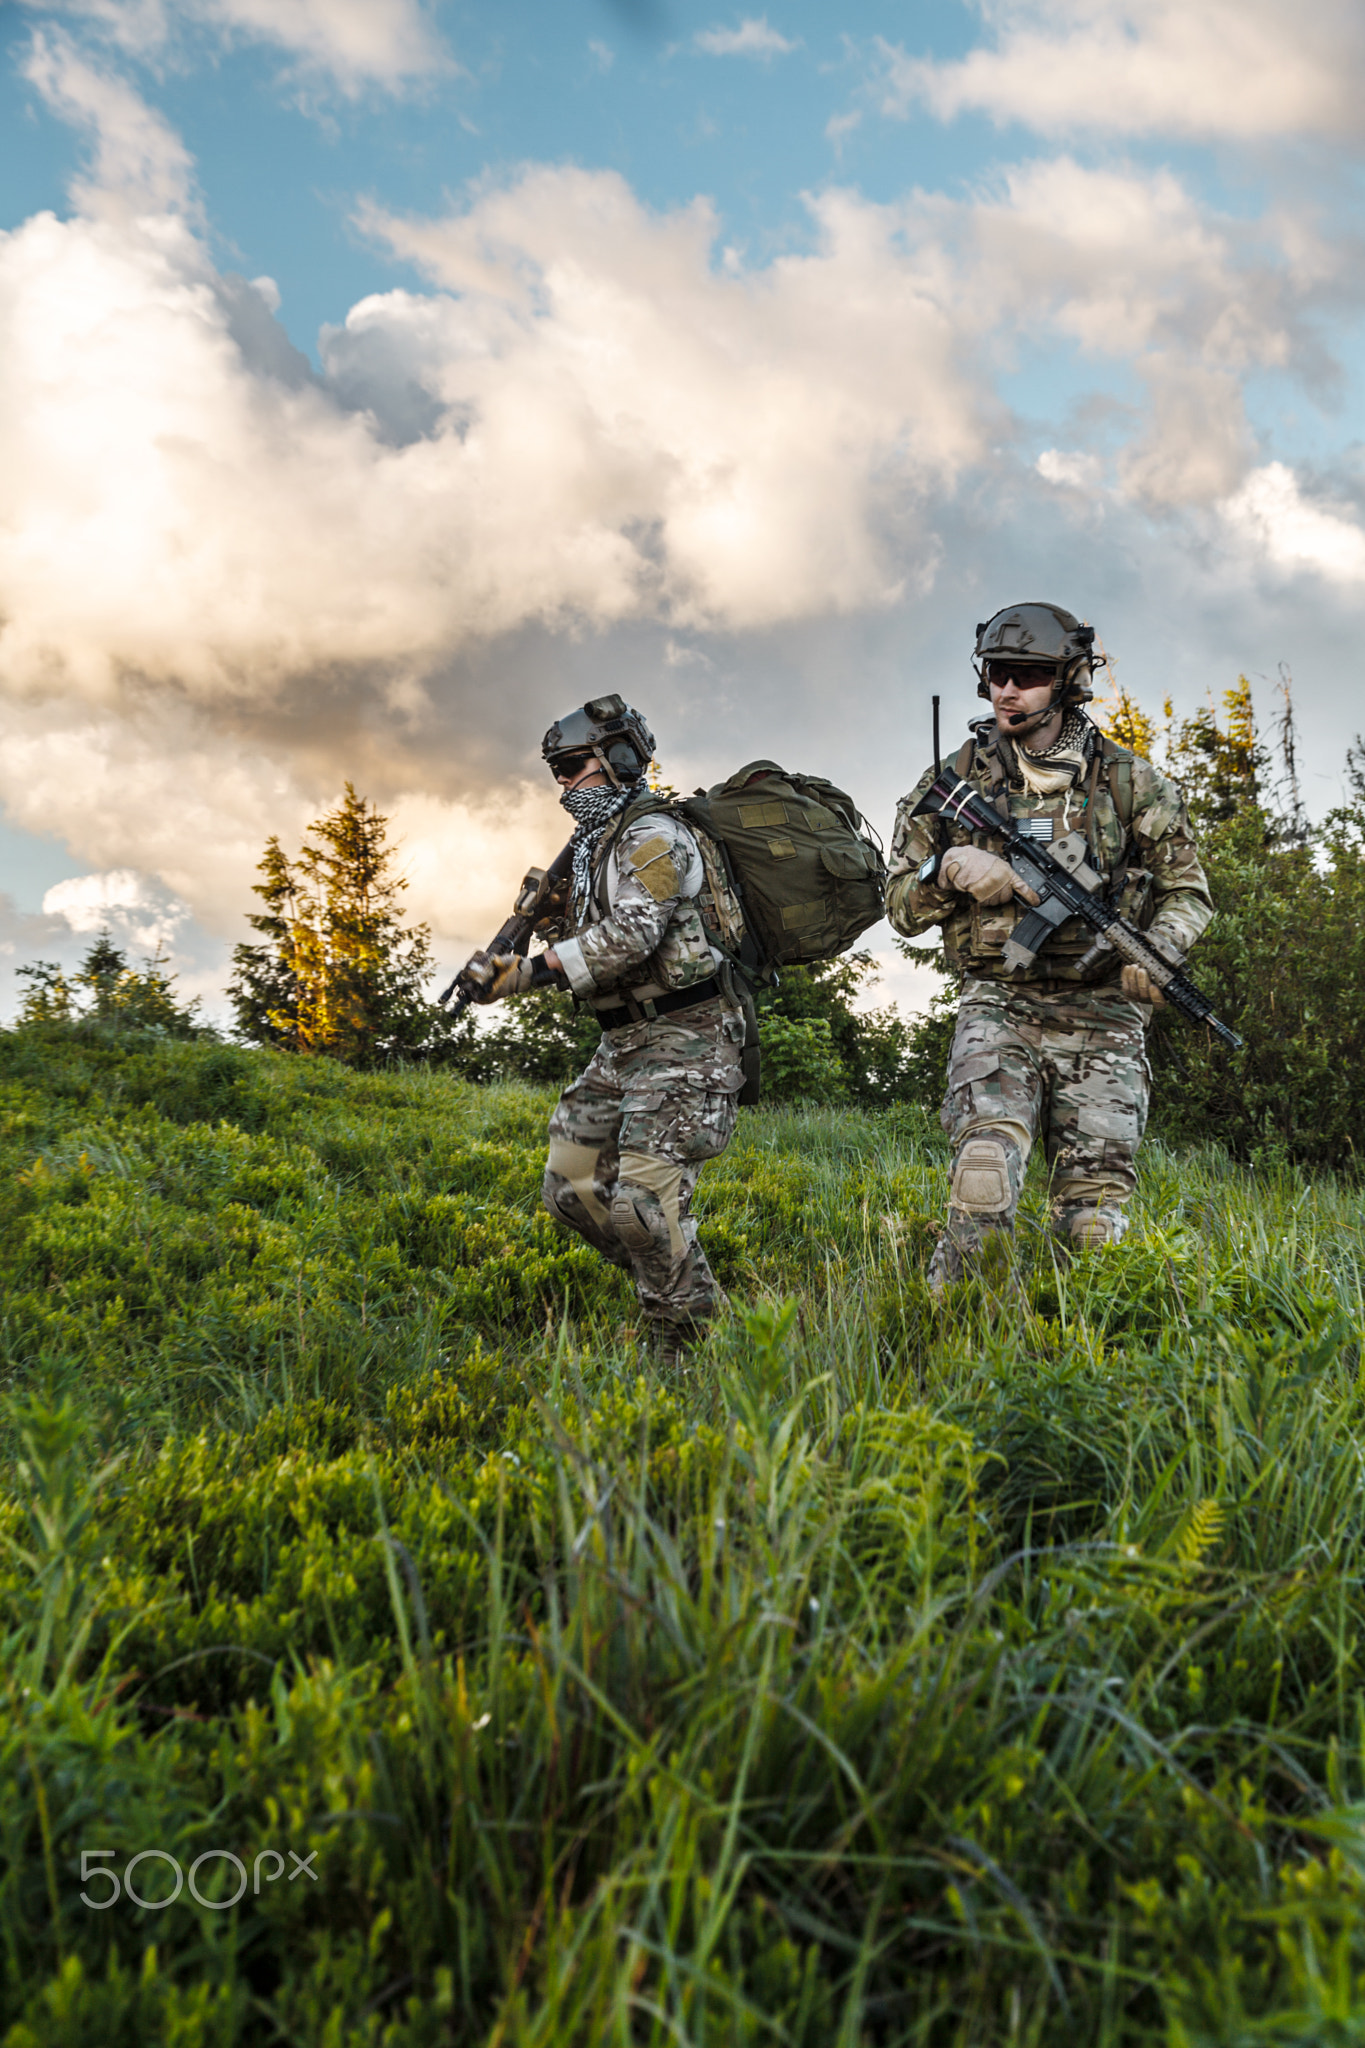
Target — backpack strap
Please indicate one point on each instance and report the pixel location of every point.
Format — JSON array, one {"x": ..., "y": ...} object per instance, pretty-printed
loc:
[
  {"x": 1119, "y": 763},
  {"x": 996, "y": 757},
  {"x": 603, "y": 849},
  {"x": 1096, "y": 763}
]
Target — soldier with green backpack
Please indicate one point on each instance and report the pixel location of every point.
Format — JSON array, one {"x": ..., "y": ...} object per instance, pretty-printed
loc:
[
  {"x": 663, "y": 914},
  {"x": 1049, "y": 1043}
]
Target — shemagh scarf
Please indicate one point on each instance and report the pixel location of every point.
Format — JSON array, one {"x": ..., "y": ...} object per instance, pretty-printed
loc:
[
  {"x": 1062, "y": 764},
  {"x": 592, "y": 810}
]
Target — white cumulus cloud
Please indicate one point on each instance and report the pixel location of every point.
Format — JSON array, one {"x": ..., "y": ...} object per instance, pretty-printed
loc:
[
  {"x": 1072, "y": 467},
  {"x": 587, "y": 422},
  {"x": 137, "y": 909},
  {"x": 1124, "y": 263},
  {"x": 354, "y": 41},
  {"x": 138, "y": 161},
  {"x": 1294, "y": 533},
  {"x": 1243, "y": 70},
  {"x": 350, "y": 43}
]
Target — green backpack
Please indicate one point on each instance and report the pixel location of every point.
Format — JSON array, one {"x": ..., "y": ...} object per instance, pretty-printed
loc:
[{"x": 807, "y": 877}]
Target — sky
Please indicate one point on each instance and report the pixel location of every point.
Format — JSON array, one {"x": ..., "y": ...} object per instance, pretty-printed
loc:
[{"x": 379, "y": 379}]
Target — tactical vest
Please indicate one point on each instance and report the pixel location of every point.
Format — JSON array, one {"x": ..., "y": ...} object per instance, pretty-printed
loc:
[{"x": 1100, "y": 804}]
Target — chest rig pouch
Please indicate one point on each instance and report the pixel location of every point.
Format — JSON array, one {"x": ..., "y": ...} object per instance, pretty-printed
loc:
[{"x": 1097, "y": 849}]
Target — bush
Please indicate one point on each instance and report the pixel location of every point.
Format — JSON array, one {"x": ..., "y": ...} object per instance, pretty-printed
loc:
[
  {"x": 1284, "y": 963},
  {"x": 799, "y": 1060},
  {"x": 874, "y": 1049},
  {"x": 107, "y": 996}
]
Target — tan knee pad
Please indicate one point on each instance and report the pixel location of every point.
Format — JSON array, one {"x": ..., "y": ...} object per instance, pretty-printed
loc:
[
  {"x": 981, "y": 1177},
  {"x": 660, "y": 1178},
  {"x": 576, "y": 1164},
  {"x": 1089, "y": 1230}
]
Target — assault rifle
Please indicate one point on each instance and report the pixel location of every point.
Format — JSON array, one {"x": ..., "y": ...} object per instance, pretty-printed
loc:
[
  {"x": 535, "y": 899},
  {"x": 1060, "y": 874}
]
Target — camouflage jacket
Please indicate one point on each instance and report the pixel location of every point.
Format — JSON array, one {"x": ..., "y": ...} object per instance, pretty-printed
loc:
[
  {"x": 643, "y": 931},
  {"x": 1150, "y": 865}
]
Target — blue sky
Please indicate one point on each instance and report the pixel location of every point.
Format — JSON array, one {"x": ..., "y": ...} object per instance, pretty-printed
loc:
[
  {"x": 745, "y": 359},
  {"x": 281, "y": 163}
]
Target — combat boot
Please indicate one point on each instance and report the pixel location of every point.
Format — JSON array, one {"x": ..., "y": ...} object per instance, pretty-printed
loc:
[
  {"x": 986, "y": 1255},
  {"x": 945, "y": 1267},
  {"x": 669, "y": 1346},
  {"x": 1090, "y": 1229}
]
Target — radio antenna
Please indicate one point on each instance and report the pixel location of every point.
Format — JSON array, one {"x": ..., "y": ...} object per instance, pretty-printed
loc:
[{"x": 938, "y": 765}]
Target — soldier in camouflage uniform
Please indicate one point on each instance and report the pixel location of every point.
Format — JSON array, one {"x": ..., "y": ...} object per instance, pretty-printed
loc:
[
  {"x": 1056, "y": 1053},
  {"x": 659, "y": 1096}
]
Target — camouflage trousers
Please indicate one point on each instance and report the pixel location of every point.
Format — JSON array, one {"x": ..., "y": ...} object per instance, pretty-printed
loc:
[
  {"x": 1070, "y": 1067},
  {"x": 629, "y": 1138}
]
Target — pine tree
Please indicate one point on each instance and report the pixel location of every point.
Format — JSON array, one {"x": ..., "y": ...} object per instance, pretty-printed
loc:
[
  {"x": 120, "y": 997},
  {"x": 264, "y": 985},
  {"x": 1124, "y": 719},
  {"x": 338, "y": 972},
  {"x": 102, "y": 971},
  {"x": 1120, "y": 715},
  {"x": 1221, "y": 768}
]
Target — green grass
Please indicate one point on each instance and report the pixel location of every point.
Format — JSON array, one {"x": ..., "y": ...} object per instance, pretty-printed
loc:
[{"x": 978, "y": 1675}]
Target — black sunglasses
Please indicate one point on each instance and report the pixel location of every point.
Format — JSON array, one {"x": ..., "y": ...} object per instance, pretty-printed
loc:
[
  {"x": 568, "y": 766},
  {"x": 1025, "y": 675}
]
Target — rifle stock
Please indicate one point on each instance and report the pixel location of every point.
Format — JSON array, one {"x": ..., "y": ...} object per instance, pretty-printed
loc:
[
  {"x": 512, "y": 937},
  {"x": 1067, "y": 890}
]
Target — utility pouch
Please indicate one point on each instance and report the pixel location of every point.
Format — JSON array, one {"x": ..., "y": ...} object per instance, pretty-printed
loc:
[
  {"x": 738, "y": 991},
  {"x": 751, "y": 1058},
  {"x": 751, "y": 1062}
]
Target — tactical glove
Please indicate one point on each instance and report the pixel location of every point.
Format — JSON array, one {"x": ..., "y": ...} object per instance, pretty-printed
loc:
[
  {"x": 496, "y": 975},
  {"x": 981, "y": 875},
  {"x": 1138, "y": 986}
]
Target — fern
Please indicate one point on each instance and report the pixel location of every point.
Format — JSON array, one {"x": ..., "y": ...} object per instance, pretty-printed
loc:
[{"x": 1200, "y": 1529}]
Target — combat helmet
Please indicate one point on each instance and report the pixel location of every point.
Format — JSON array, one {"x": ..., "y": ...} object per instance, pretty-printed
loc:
[
  {"x": 1042, "y": 635},
  {"x": 608, "y": 728}
]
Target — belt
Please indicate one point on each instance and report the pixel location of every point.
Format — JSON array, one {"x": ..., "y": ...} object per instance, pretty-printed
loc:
[{"x": 631, "y": 1012}]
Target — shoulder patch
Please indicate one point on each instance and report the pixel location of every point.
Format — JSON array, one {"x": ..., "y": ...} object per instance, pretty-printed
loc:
[{"x": 655, "y": 866}]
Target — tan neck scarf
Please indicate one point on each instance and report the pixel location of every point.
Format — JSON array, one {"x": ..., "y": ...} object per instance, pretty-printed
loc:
[{"x": 1062, "y": 765}]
